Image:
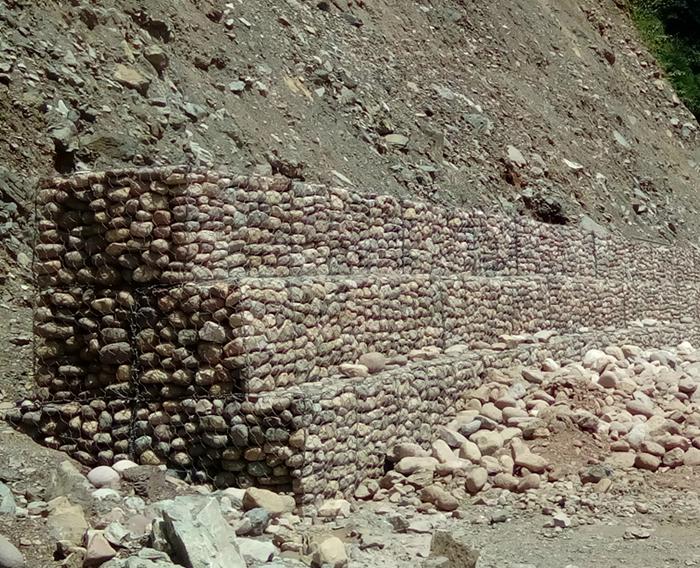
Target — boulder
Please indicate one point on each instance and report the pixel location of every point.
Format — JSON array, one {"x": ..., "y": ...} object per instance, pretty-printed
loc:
[
  {"x": 131, "y": 78},
  {"x": 442, "y": 452},
  {"x": 475, "y": 480},
  {"x": 257, "y": 551},
  {"x": 649, "y": 447},
  {"x": 691, "y": 457},
  {"x": 123, "y": 465},
  {"x": 647, "y": 461},
  {"x": 145, "y": 558},
  {"x": 103, "y": 476},
  {"x": 451, "y": 437},
  {"x": 67, "y": 481},
  {"x": 531, "y": 481},
  {"x": 506, "y": 481},
  {"x": 408, "y": 450},
  {"x": 198, "y": 534},
  {"x": 7, "y": 501},
  {"x": 637, "y": 407},
  {"x": 596, "y": 360},
  {"x": 366, "y": 490},
  {"x": 523, "y": 457},
  {"x": 274, "y": 503},
  {"x": 411, "y": 465},
  {"x": 352, "y": 370},
  {"x": 333, "y": 508},
  {"x": 330, "y": 553},
  {"x": 487, "y": 441},
  {"x": 66, "y": 521},
  {"x": 674, "y": 458},
  {"x": 442, "y": 499},
  {"x": 470, "y": 451},
  {"x": 98, "y": 549},
  {"x": 608, "y": 380}
]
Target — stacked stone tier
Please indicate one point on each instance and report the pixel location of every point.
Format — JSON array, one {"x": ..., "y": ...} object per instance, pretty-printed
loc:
[{"x": 202, "y": 319}]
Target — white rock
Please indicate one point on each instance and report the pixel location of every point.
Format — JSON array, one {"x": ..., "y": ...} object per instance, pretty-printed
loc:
[
  {"x": 103, "y": 476},
  {"x": 470, "y": 451},
  {"x": 106, "y": 494},
  {"x": 122, "y": 465},
  {"x": 488, "y": 441},
  {"x": 330, "y": 553},
  {"x": 410, "y": 465},
  {"x": 334, "y": 508},
  {"x": 274, "y": 503},
  {"x": 442, "y": 452},
  {"x": 256, "y": 550},
  {"x": 235, "y": 495},
  {"x": 408, "y": 450}
]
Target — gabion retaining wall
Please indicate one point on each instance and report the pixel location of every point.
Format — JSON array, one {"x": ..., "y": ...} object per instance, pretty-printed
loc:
[{"x": 199, "y": 319}]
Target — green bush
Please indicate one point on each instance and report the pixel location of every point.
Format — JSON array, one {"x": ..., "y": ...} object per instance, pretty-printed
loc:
[{"x": 671, "y": 28}]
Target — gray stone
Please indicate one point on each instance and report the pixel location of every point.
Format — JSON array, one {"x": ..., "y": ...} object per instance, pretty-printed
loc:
[
  {"x": 374, "y": 361},
  {"x": 199, "y": 535},
  {"x": 7, "y": 501},
  {"x": 156, "y": 56},
  {"x": 145, "y": 558},
  {"x": 516, "y": 156},
  {"x": 131, "y": 78},
  {"x": 330, "y": 553},
  {"x": 256, "y": 550},
  {"x": 212, "y": 332},
  {"x": 66, "y": 480},
  {"x": 254, "y": 522},
  {"x": 66, "y": 521},
  {"x": 10, "y": 557}
]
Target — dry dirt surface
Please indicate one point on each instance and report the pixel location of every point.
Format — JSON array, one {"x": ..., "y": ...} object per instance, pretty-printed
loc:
[{"x": 552, "y": 108}]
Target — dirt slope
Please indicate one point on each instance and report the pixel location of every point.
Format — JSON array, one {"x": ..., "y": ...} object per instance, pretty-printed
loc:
[{"x": 410, "y": 97}]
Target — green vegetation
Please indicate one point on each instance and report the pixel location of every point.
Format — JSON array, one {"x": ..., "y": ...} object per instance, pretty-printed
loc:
[{"x": 672, "y": 30}]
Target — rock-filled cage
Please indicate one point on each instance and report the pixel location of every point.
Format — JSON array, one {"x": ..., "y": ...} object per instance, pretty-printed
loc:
[{"x": 212, "y": 322}]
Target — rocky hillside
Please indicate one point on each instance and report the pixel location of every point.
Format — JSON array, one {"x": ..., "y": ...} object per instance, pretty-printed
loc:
[{"x": 551, "y": 108}]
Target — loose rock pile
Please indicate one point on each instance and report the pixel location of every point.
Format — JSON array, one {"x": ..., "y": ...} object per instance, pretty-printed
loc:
[{"x": 641, "y": 405}]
